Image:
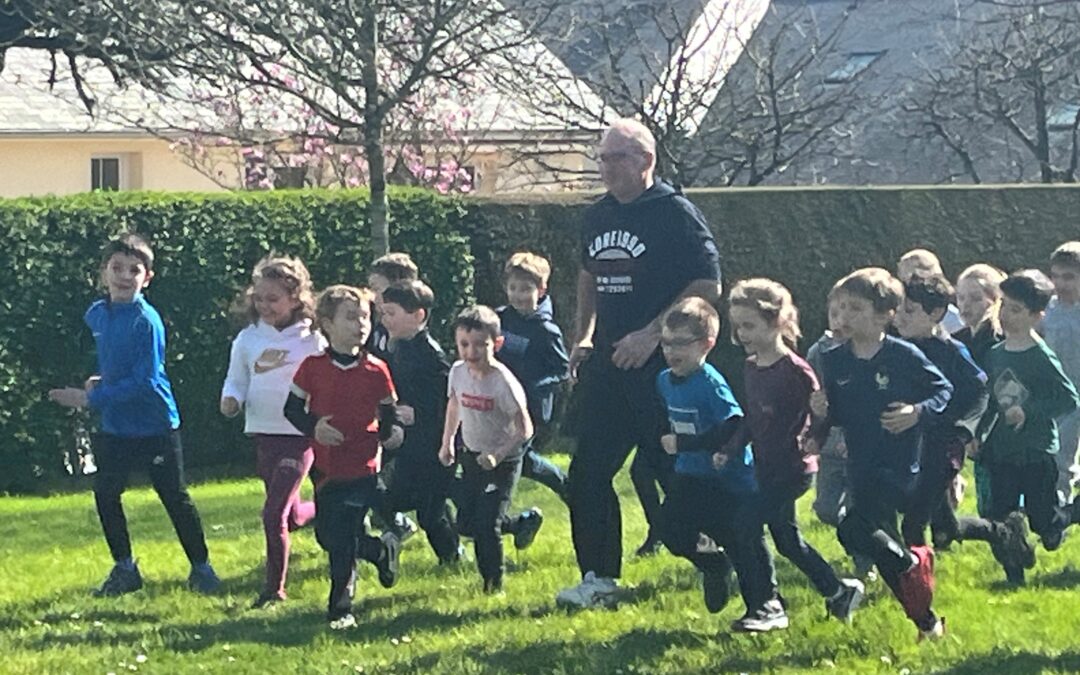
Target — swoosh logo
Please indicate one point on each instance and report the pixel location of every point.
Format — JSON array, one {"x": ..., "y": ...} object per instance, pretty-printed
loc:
[{"x": 271, "y": 359}]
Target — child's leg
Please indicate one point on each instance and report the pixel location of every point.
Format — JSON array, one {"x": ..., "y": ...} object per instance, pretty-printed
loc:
[
  {"x": 1039, "y": 483},
  {"x": 738, "y": 527},
  {"x": 433, "y": 510},
  {"x": 682, "y": 521},
  {"x": 649, "y": 471},
  {"x": 282, "y": 463},
  {"x": 492, "y": 493},
  {"x": 1069, "y": 437},
  {"x": 535, "y": 466},
  {"x": 829, "y": 489},
  {"x": 114, "y": 456},
  {"x": 935, "y": 476},
  {"x": 166, "y": 469},
  {"x": 983, "y": 493},
  {"x": 779, "y": 512},
  {"x": 335, "y": 530}
]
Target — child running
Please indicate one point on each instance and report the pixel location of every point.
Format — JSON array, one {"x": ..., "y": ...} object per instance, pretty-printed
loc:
[
  {"x": 778, "y": 385},
  {"x": 1019, "y": 435},
  {"x": 345, "y": 401},
  {"x": 139, "y": 422},
  {"x": 265, "y": 356},
  {"x": 878, "y": 388},
  {"x": 488, "y": 404},
  {"x": 927, "y": 297},
  {"x": 1061, "y": 329}
]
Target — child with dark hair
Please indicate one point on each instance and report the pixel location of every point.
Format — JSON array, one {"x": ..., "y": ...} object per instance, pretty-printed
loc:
[
  {"x": 1018, "y": 436},
  {"x": 420, "y": 370},
  {"x": 879, "y": 389},
  {"x": 927, "y": 298},
  {"x": 388, "y": 269},
  {"x": 140, "y": 425},
  {"x": 344, "y": 400},
  {"x": 488, "y": 404},
  {"x": 262, "y": 363}
]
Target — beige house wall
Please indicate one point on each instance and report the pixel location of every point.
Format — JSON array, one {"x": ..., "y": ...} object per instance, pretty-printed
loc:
[{"x": 60, "y": 165}]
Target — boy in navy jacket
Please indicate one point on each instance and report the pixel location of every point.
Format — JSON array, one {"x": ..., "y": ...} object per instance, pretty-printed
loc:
[{"x": 881, "y": 390}]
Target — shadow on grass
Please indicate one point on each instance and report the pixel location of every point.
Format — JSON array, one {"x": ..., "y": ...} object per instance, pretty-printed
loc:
[
  {"x": 1067, "y": 578},
  {"x": 1000, "y": 661}
]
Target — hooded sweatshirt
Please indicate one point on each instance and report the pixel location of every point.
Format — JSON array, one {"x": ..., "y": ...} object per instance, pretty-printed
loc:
[
  {"x": 534, "y": 351},
  {"x": 262, "y": 364},
  {"x": 642, "y": 255}
]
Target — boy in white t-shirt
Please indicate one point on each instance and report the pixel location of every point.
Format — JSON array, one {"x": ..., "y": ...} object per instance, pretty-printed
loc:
[{"x": 488, "y": 403}]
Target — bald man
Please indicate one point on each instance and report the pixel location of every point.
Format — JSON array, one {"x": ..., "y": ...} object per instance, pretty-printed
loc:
[{"x": 644, "y": 247}]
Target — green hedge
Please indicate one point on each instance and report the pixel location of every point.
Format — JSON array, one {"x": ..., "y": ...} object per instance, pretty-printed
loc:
[
  {"x": 206, "y": 246},
  {"x": 805, "y": 238}
]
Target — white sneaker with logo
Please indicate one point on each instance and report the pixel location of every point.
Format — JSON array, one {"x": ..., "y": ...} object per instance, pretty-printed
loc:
[{"x": 593, "y": 591}]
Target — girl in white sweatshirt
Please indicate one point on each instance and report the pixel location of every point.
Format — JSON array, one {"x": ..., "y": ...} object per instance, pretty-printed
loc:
[{"x": 265, "y": 355}]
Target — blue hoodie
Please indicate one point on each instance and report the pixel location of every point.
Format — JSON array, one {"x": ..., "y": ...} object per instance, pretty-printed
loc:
[
  {"x": 134, "y": 396},
  {"x": 534, "y": 351}
]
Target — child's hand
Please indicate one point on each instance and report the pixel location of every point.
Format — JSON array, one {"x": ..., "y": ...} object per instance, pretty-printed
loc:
[
  {"x": 446, "y": 455},
  {"x": 397, "y": 437},
  {"x": 810, "y": 447},
  {"x": 326, "y": 434},
  {"x": 670, "y": 443},
  {"x": 719, "y": 459},
  {"x": 406, "y": 414},
  {"x": 230, "y": 407},
  {"x": 1015, "y": 417},
  {"x": 899, "y": 417},
  {"x": 819, "y": 404},
  {"x": 487, "y": 461},
  {"x": 69, "y": 397}
]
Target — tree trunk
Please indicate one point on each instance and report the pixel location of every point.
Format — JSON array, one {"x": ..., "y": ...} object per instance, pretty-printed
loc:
[{"x": 373, "y": 131}]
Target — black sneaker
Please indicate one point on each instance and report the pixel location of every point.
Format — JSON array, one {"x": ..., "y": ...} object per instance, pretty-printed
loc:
[
  {"x": 266, "y": 600},
  {"x": 492, "y": 586},
  {"x": 846, "y": 600},
  {"x": 651, "y": 546},
  {"x": 1053, "y": 540},
  {"x": 528, "y": 525},
  {"x": 121, "y": 580},
  {"x": 388, "y": 562},
  {"x": 768, "y": 617},
  {"x": 717, "y": 587}
]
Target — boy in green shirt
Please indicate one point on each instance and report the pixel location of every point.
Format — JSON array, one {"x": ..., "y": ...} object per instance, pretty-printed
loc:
[{"x": 1019, "y": 433}]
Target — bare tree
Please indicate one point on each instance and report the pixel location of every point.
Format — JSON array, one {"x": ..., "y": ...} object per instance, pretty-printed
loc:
[
  {"x": 1010, "y": 86},
  {"x": 726, "y": 103}
]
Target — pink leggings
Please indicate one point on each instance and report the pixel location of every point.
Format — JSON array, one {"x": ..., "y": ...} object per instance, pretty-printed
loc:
[{"x": 282, "y": 462}]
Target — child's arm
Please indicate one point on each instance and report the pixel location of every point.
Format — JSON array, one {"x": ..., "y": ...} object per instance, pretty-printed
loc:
[
  {"x": 523, "y": 431},
  {"x": 319, "y": 428},
  {"x": 904, "y": 415},
  {"x": 556, "y": 362},
  {"x": 237, "y": 379},
  {"x": 450, "y": 427}
]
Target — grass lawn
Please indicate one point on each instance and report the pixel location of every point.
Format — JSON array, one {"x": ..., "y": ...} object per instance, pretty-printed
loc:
[{"x": 438, "y": 621}]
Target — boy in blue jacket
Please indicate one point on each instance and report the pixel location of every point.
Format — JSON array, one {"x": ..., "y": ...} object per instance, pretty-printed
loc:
[
  {"x": 882, "y": 391},
  {"x": 139, "y": 420}
]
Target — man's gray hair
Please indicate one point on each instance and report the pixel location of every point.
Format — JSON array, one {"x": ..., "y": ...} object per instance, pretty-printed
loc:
[{"x": 635, "y": 132}]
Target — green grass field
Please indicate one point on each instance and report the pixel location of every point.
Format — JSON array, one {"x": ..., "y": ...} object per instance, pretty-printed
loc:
[{"x": 438, "y": 621}]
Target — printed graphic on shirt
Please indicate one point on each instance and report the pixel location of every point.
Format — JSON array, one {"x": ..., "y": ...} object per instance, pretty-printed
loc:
[
  {"x": 271, "y": 359},
  {"x": 617, "y": 250},
  {"x": 1009, "y": 390},
  {"x": 684, "y": 421},
  {"x": 482, "y": 403},
  {"x": 882, "y": 380}
]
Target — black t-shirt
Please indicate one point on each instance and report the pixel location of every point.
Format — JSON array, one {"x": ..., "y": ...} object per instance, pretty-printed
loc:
[{"x": 642, "y": 255}]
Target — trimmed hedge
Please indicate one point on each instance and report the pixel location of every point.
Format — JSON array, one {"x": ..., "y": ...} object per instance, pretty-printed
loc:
[
  {"x": 205, "y": 247},
  {"x": 206, "y": 244}
]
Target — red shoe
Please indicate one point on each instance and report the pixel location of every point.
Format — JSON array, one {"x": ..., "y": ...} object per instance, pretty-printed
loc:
[{"x": 916, "y": 586}]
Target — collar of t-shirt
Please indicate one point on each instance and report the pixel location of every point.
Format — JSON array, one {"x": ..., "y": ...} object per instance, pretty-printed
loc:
[{"x": 342, "y": 359}]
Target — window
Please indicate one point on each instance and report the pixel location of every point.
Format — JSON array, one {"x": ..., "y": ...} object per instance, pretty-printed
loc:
[
  {"x": 289, "y": 177},
  {"x": 856, "y": 63},
  {"x": 105, "y": 173},
  {"x": 1062, "y": 118}
]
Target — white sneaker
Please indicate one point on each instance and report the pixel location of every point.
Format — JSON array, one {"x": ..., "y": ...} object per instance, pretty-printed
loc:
[
  {"x": 343, "y": 623},
  {"x": 593, "y": 591}
]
